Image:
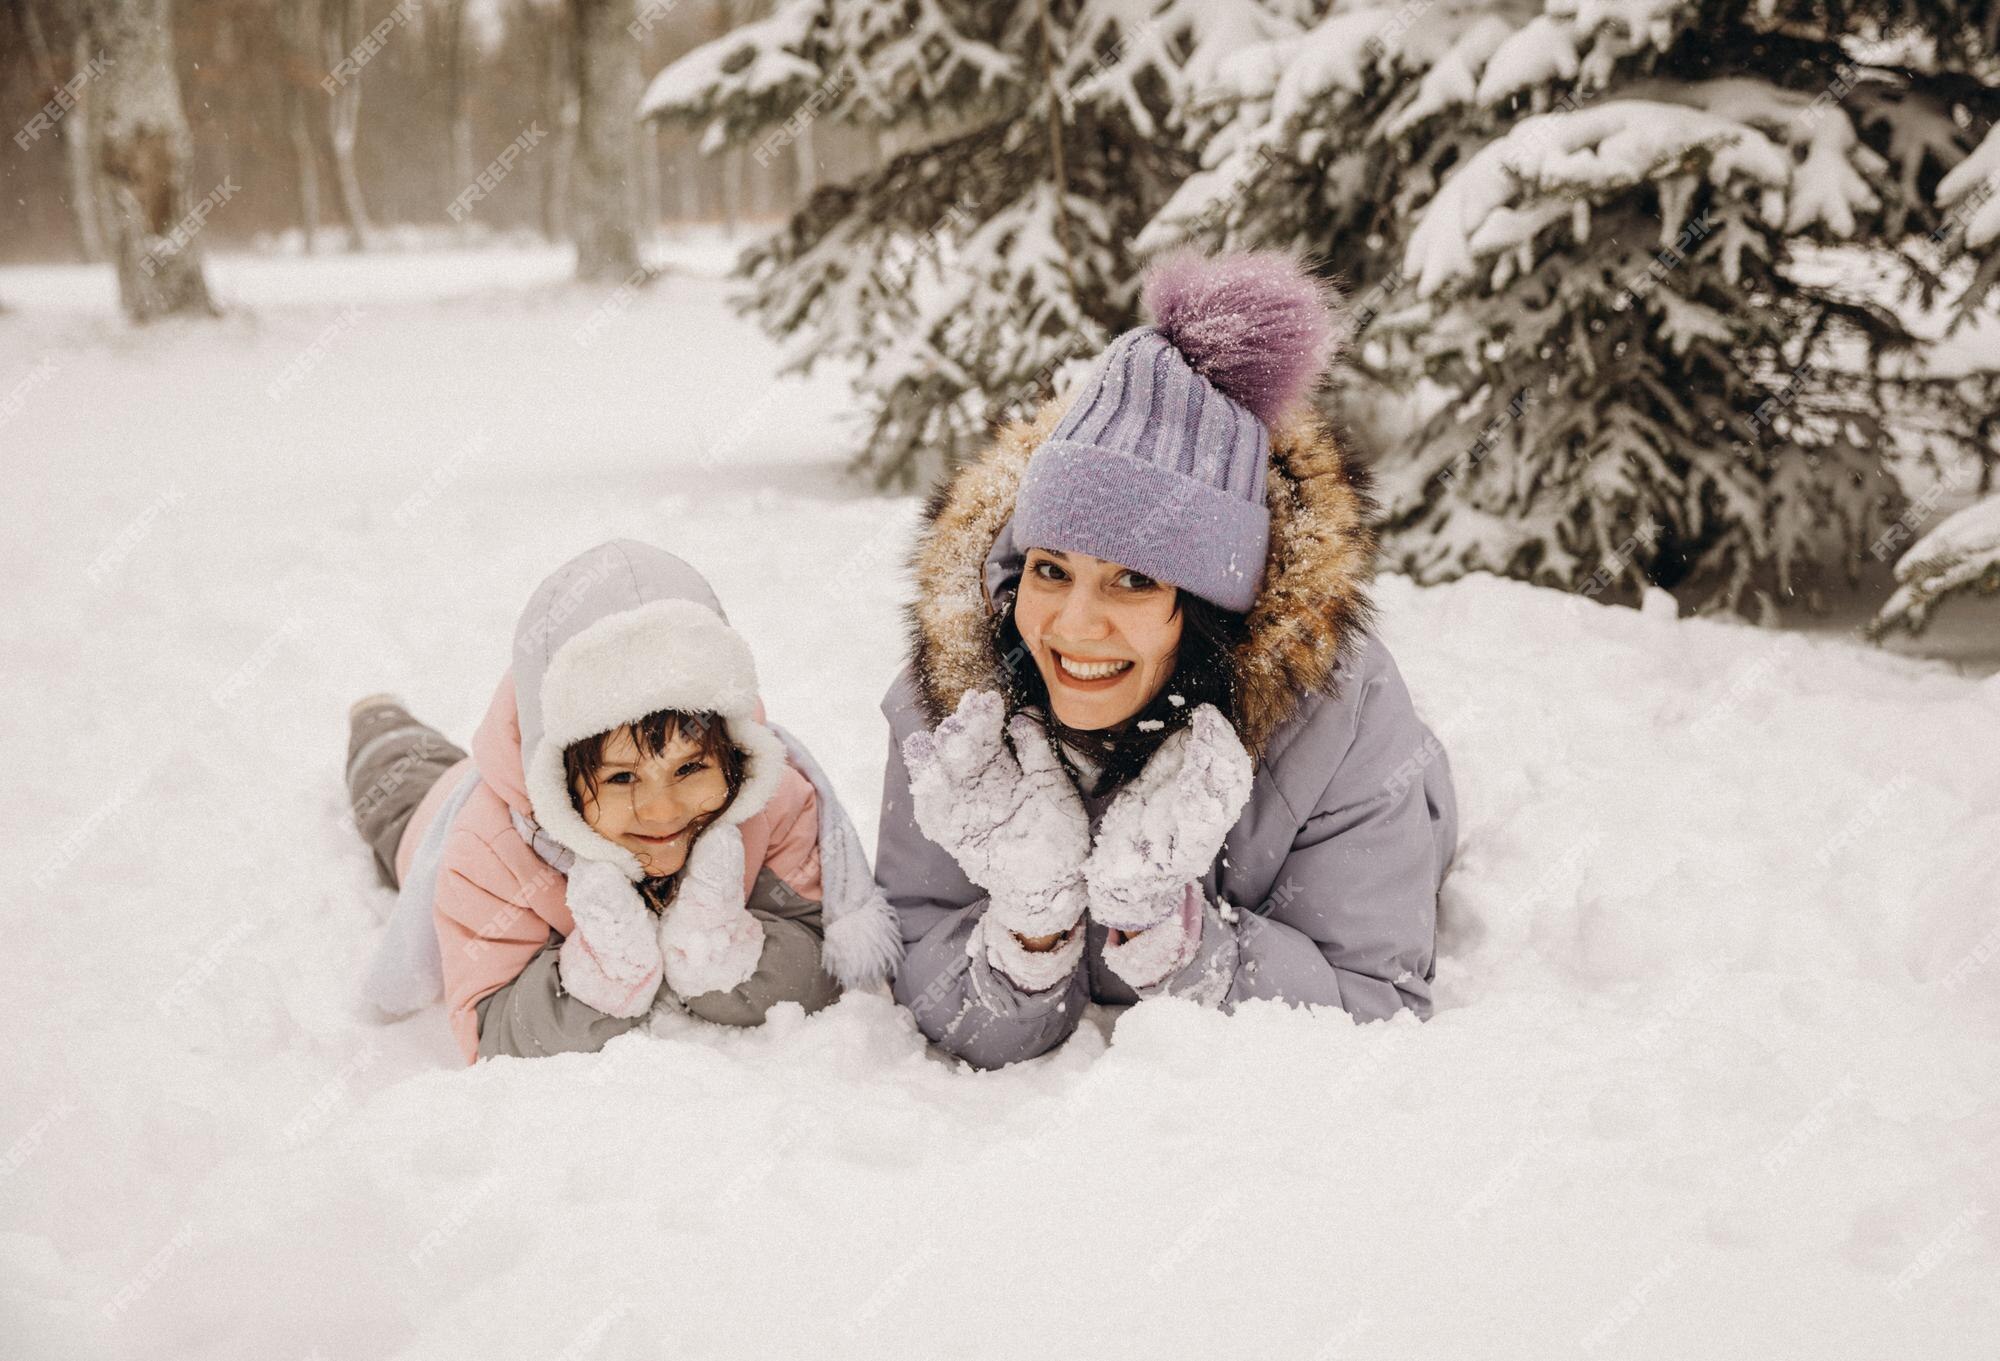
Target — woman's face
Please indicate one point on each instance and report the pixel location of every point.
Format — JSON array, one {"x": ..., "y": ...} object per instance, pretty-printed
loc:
[
  {"x": 1104, "y": 637},
  {"x": 650, "y": 804}
]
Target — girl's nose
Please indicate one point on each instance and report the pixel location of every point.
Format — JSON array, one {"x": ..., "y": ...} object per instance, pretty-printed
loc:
[{"x": 661, "y": 809}]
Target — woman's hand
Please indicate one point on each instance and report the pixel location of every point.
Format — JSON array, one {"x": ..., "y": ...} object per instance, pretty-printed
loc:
[
  {"x": 1016, "y": 826},
  {"x": 1150, "y": 957},
  {"x": 1165, "y": 828},
  {"x": 1011, "y": 819},
  {"x": 1036, "y": 945}
]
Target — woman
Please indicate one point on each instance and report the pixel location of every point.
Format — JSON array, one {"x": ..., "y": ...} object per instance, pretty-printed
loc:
[{"x": 1146, "y": 744}]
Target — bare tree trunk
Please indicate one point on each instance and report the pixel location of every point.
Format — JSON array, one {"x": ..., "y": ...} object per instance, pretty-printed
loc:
[
  {"x": 340, "y": 34},
  {"x": 558, "y": 93},
  {"x": 74, "y": 133},
  {"x": 298, "y": 22},
  {"x": 458, "y": 160},
  {"x": 729, "y": 165},
  {"x": 732, "y": 189},
  {"x": 646, "y": 148},
  {"x": 86, "y": 191},
  {"x": 299, "y": 128},
  {"x": 605, "y": 58},
  {"x": 805, "y": 169},
  {"x": 687, "y": 177},
  {"x": 143, "y": 150}
]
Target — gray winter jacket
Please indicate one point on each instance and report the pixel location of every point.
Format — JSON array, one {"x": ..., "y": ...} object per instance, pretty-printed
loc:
[{"x": 1326, "y": 889}]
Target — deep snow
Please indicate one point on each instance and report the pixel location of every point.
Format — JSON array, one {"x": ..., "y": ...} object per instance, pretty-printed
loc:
[{"x": 1714, "y": 1072}]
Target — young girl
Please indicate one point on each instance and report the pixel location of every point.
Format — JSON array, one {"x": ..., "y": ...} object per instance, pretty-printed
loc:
[{"x": 627, "y": 829}]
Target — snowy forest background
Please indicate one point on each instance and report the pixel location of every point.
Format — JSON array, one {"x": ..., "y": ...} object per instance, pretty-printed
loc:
[{"x": 1682, "y": 292}]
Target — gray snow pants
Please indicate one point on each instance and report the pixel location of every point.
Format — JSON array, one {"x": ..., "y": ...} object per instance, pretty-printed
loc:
[{"x": 392, "y": 762}]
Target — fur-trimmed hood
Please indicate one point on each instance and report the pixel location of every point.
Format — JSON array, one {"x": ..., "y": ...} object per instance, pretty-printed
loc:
[
  {"x": 614, "y": 634},
  {"x": 1311, "y": 607}
]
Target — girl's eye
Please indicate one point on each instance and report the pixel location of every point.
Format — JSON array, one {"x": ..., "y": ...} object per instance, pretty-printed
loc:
[
  {"x": 620, "y": 777},
  {"x": 1136, "y": 581},
  {"x": 1049, "y": 571},
  {"x": 691, "y": 768}
]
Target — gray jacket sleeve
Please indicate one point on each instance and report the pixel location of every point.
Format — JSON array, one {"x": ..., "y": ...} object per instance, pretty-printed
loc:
[
  {"x": 533, "y": 1017},
  {"x": 961, "y": 1003},
  {"x": 1350, "y": 917}
]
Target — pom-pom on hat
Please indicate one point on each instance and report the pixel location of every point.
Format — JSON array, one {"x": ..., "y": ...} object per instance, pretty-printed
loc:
[{"x": 1159, "y": 465}]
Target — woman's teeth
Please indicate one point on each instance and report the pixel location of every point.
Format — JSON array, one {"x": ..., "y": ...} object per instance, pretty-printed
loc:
[{"x": 1090, "y": 670}]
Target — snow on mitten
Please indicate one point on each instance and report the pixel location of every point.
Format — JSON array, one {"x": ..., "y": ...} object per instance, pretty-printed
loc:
[
  {"x": 1011, "y": 819},
  {"x": 708, "y": 939},
  {"x": 1150, "y": 957},
  {"x": 1031, "y": 970},
  {"x": 611, "y": 961},
  {"x": 1166, "y": 827}
]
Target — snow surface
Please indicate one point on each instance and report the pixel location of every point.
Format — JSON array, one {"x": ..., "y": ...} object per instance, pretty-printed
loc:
[{"x": 1714, "y": 1070}]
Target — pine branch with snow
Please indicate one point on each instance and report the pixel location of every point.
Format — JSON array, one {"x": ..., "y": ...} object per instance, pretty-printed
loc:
[{"x": 1959, "y": 558}]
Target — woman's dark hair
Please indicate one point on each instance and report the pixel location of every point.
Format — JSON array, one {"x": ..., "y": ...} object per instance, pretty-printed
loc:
[
  {"x": 583, "y": 763},
  {"x": 1204, "y": 673}
]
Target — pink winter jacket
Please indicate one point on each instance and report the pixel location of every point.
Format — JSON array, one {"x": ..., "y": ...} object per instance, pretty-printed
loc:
[{"x": 497, "y": 900}]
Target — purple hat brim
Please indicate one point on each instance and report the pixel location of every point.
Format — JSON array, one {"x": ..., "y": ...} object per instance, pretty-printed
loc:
[{"x": 1078, "y": 498}]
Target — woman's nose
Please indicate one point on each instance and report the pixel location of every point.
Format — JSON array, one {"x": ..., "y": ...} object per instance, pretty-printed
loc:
[{"x": 1082, "y": 618}]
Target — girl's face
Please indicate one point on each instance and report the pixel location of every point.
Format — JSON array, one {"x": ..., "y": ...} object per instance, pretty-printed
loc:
[
  {"x": 653, "y": 805},
  {"x": 1104, "y": 637}
]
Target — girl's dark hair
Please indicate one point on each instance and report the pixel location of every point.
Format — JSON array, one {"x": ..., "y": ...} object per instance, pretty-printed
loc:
[
  {"x": 583, "y": 763},
  {"x": 1204, "y": 673}
]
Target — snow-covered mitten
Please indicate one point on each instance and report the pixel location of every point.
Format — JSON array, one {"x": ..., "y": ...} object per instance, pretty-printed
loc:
[
  {"x": 1012, "y": 819},
  {"x": 708, "y": 939},
  {"x": 611, "y": 961},
  {"x": 1150, "y": 957},
  {"x": 1166, "y": 827},
  {"x": 1032, "y": 970}
]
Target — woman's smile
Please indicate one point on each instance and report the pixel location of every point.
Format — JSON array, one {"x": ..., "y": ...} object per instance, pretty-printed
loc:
[{"x": 1088, "y": 674}]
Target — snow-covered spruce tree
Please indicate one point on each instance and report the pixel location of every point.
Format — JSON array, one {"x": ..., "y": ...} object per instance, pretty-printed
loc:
[
  {"x": 997, "y": 247},
  {"x": 1595, "y": 232}
]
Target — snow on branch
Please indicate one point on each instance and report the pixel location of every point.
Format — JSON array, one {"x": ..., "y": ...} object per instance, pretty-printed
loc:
[
  {"x": 1582, "y": 153},
  {"x": 762, "y": 62},
  {"x": 1800, "y": 155},
  {"x": 1959, "y": 557},
  {"x": 1971, "y": 193},
  {"x": 1116, "y": 48},
  {"x": 879, "y": 58},
  {"x": 1542, "y": 52}
]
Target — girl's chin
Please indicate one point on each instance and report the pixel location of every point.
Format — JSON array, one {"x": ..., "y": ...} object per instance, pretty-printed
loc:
[{"x": 659, "y": 866}]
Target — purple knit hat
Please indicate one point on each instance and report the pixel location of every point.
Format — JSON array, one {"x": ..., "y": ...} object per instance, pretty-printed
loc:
[{"x": 1159, "y": 464}]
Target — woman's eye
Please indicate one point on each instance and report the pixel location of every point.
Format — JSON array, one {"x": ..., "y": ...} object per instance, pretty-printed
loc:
[
  {"x": 691, "y": 768},
  {"x": 1136, "y": 581},
  {"x": 620, "y": 777},
  {"x": 1048, "y": 571}
]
